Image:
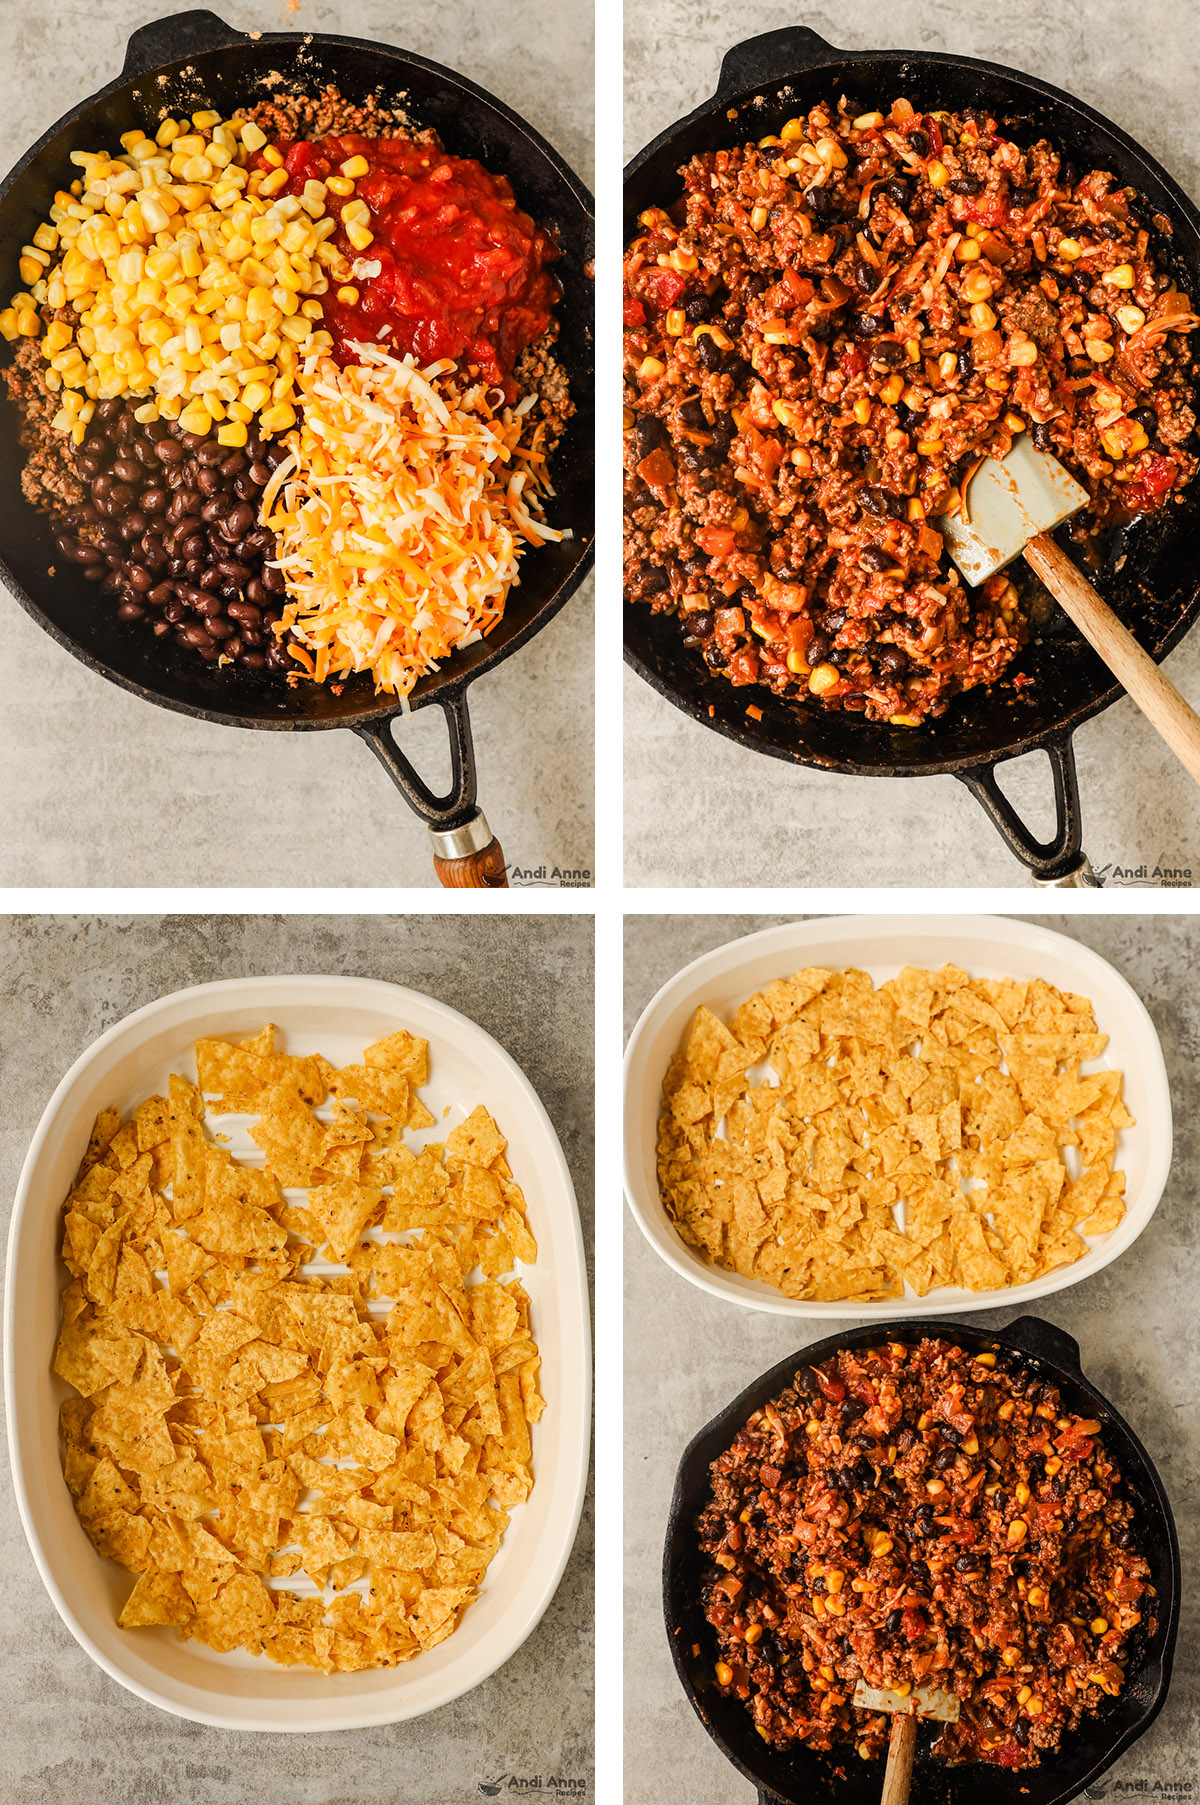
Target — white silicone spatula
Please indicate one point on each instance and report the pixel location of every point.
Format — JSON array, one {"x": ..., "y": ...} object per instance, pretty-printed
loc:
[{"x": 1013, "y": 504}]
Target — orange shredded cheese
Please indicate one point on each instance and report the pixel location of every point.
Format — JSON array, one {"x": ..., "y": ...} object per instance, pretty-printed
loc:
[{"x": 401, "y": 512}]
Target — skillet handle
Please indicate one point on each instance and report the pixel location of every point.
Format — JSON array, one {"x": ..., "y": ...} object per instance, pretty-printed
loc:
[
  {"x": 465, "y": 856},
  {"x": 168, "y": 40},
  {"x": 765, "y": 58},
  {"x": 1060, "y": 861},
  {"x": 1033, "y": 1335}
]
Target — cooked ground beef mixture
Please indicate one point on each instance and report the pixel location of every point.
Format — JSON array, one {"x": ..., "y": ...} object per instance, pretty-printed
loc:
[
  {"x": 824, "y": 336},
  {"x": 911, "y": 1516}
]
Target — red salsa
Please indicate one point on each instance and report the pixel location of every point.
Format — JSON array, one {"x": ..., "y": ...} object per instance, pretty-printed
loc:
[{"x": 462, "y": 271}]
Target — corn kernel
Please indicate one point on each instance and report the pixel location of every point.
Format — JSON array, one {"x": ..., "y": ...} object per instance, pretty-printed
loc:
[
  {"x": 1021, "y": 1493},
  {"x": 1024, "y": 1694},
  {"x": 1069, "y": 249},
  {"x": 937, "y": 174},
  {"x": 935, "y": 1487},
  {"x": 1120, "y": 277},
  {"x": 676, "y": 322},
  {"x": 360, "y": 236},
  {"x": 927, "y": 447},
  {"x": 862, "y": 410},
  {"x": 278, "y": 419},
  {"x": 1098, "y": 1625},
  {"x": 895, "y": 439},
  {"x": 233, "y": 432},
  {"x": 723, "y": 1672},
  {"x": 1098, "y": 349},
  {"x": 868, "y": 122},
  {"x": 1018, "y": 1529},
  {"x": 271, "y": 184},
  {"x": 1010, "y": 1655},
  {"x": 1129, "y": 319},
  {"x": 339, "y": 184},
  {"x": 1035, "y": 1707},
  {"x": 824, "y": 678}
]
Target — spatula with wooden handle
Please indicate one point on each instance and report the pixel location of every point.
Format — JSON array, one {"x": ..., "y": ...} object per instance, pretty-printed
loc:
[
  {"x": 907, "y": 1708},
  {"x": 1012, "y": 506}
]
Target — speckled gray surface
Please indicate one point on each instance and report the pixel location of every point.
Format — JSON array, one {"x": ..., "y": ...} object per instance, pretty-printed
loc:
[
  {"x": 687, "y": 1354},
  {"x": 766, "y": 823},
  {"x": 67, "y": 1732},
  {"x": 260, "y": 808}
]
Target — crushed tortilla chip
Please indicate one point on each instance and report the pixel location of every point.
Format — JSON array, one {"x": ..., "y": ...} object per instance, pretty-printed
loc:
[
  {"x": 936, "y": 1130},
  {"x": 310, "y": 1464}
]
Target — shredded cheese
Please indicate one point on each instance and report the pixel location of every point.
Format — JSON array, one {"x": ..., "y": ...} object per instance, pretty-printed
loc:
[{"x": 401, "y": 512}]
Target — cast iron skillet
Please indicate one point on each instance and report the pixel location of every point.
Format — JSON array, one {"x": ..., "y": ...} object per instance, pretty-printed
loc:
[
  {"x": 800, "y": 1778},
  {"x": 764, "y": 82},
  {"x": 195, "y": 60}
]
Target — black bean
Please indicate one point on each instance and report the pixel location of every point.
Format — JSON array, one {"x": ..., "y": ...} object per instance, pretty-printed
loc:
[
  {"x": 896, "y": 189},
  {"x": 175, "y": 611},
  {"x": 130, "y": 610},
  {"x": 892, "y": 1622},
  {"x": 120, "y": 496},
  {"x": 1022, "y": 196},
  {"x": 1109, "y": 228},
  {"x": 194, "y": 547},
  {"x": 1039, "y": 432},
  {"x": 1145, "y": 417},
  {"x": 965, "y": 366},
  {"x": 866, "y": 325},
  {"x": 967, "y": 1563},
  {"x": 818, "y": 649},
  {"x": 873, "y": 557},
  {"x": 140, "y": 579},
  {"x": 715, "y": 658},
  {"x": 245, "y": 487},
  {"x": 218, "y": 626},
  {"x": 708, "y": 353},
  {"x": 966, "y": 184},
  {"x": 273, "y": 580},
  {"x": 889, "y": 353},
  {"x": 128, "y": 470},
  {"x": 919, "y": 141},
  {"x": 261, "y": 473},
  {"x": 1021, "y": 1731},
  {"x": 161, "y": 594},
  {"x": 875, "y": 500},
  {"x": 238, "y": 521},
  {"x": 891, "y": 660},
  {"x": 208, "y": 481},
  {"x": 145, "y": 454},
  {"x": 169, "y": 451},
  {"x": 87, "y": 467},
  {"x": 248, "y": 615},
  {"x": 692, "y": 414},
  {"x": 197, "y": 636},
  {"x": 211, "y": 580},
  {"x": 821, "y": 330},
  {"x": 867, "y": 277},
  {"x": 277, "y": 658},
  {"x": 698, "y": 309},
  {"x": 108, "y": 410},
  {"x": 233, "y": 466},
  {"x": 258, "y": 544}
]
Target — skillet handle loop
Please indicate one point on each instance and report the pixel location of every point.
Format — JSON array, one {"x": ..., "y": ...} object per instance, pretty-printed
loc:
[
  {"x": 465, "y": 854},
  {"x": 169, "y": 40},
  {"x": 1033, "y": 1335},
  {"x": 1057, "y": 861},
  {"x": 760, "y": 60}
]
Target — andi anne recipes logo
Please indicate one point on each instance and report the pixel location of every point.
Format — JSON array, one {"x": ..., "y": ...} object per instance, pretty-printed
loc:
[
  {"x": 548, "y": 877},
  {"x": 558, "y": 1785},
  {"x": 1176, "y": 1791},
  {"x": 1151, "y": 874}
]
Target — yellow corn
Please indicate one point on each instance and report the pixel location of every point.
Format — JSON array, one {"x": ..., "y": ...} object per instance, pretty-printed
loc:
[
  {"x": 982, "y": 317},
  {"x": 278, "y": 419},
  {"x": 723, "y": 1672},
  {"x": 1053, "y": 1466},
  {"x": 339, "y": 184},
  {"x": 1024, "y": 1694},
  {"x": 1018, "y": 1529},
  {"x": 1010, "y": 1655},
  {"x": 822, "y": 680},
  {"x": 927, "y": 447},
  {"x": 355, "y": 166},
  {"x": 754, "y": 1633},
  {"x": 1098, "y": 1625},
  {"x": 1069, "y": 249},
  {"x": 1129, "y": 319},
  {"x": 862, "y": 410},
  {"x": 360, "y": 236},
  {"x": 676, "y": 322},
  {"x": 1098, "y": 349},
  {"x": 947, "y": 365},
  {"x": 937, "y": 174},
  {"x": 1120, "y": 277}
]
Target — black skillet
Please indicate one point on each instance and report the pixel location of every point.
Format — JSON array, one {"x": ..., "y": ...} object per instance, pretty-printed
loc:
[
  {"x": 764, "y": 82},
  {"x": 195, "y": 60},
  {"x": 1085, "y": 1754}
]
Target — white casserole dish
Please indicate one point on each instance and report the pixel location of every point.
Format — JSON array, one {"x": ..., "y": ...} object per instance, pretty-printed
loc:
[
  {"x": 337, "y": 1017},
  {"x": 985, "y": 947}
]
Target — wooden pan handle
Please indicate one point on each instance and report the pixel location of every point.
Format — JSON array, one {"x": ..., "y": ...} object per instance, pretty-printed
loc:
[
  {"x": 901, "y": 1749},
  {"x": 1156, "y": 696},
  {"x": 482, "y": 870}
]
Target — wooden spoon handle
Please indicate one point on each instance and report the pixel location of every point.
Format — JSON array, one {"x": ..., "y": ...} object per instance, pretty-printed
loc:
[
  {"x": 1155, "y": 695},
  {"x": 482, "y": 870},
  {"x": 901, "y": 1749}
]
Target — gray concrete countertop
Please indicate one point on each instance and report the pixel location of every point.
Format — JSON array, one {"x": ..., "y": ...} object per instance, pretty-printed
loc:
[
  {"x": 687, "y": 1354},
  {"x": 273, "y": 809},
  {"x": 767, "y": 824},
  {"x": 71, "y": 1733}
]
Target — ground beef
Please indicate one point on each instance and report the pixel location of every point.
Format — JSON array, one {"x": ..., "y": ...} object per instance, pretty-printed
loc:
[
  {"x": 48, "y": 479},
  {"x": 824, "y": 336},
  {"x": 913, "y": 1516},
  {"x": 289, "y": 115}
]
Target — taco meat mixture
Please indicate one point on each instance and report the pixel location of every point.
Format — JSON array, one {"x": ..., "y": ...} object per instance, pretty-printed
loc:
[{"x": 825, "y": 335}]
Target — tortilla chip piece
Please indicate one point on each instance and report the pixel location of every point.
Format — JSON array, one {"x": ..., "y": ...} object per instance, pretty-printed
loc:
[{"x": 475, "y": 1142}]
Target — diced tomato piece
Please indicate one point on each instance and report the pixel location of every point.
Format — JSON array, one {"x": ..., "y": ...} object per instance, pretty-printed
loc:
[
  {"x": 657, "y": 471},
  {"x": 864, "y": 1391},
  {"x": 989, "y": 210},
  {"x": 633, "y": 313},
  {"x": 1009, "y": 1754},
  {"x": 912, "y": 1623},
  {"x": 802, "y": 289},
  {"x": 663, "y": 287},
  {"x": 1144, "y": 495},
  {"x": 717, "y": 541},
  {"x": 854, "y": 361},
  {"x": 833, "y": 1388}
]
